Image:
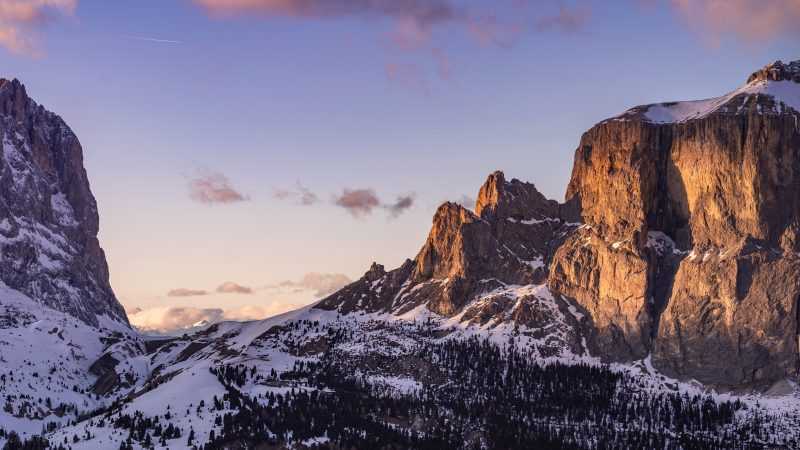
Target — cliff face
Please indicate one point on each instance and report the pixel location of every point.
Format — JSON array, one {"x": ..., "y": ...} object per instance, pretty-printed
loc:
[
  {"x": 717, "y": 183},
  {"x": 48, "y": 215}
]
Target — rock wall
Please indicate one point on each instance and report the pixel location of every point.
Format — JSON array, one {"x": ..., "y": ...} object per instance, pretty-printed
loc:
[{"x": 724, "y": 190}]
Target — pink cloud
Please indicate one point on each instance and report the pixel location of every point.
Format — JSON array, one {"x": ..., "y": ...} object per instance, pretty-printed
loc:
[
  {"x": 442, "y": 63},
  {"x": 422, "y": 11},
  {"x": 301, "y": 195},
  {"x": 358, "y": 202},
  {"x": 214, "y": 188},
  {"x": 20, "y": 18},
  {"x": 751, "y": 20},
  {"x": 229, "y": 287},
  {"x": 489, "y": 30},
  {"x": 401, "y": 205},
  {"x": 567, "y": 19},
  {"x": 183, "y": 292},
  {"x": 407, "y": 75}
]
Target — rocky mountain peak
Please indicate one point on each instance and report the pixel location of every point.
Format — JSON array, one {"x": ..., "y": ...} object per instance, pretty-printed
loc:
[
  {"x": 375, "y": 272},
  {"x": 13, "y": 98},
  {"x": 500, "y": 199},
  {"x": 777, "y": 71},
  {"x": 48, "y": 215}
]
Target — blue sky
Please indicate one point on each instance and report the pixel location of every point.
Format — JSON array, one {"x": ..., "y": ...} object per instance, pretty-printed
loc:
[{"x": 270, "y": 98}]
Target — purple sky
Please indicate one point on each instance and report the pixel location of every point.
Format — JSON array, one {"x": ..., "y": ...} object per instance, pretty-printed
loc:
[{"x": 255, "y": 141}]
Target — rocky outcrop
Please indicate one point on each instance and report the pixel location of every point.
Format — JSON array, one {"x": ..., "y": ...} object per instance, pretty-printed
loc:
[
  {"x": 48, "y": 215},
  {"x": 777, "y": 71},
  {"x": 506, "y": 241}
]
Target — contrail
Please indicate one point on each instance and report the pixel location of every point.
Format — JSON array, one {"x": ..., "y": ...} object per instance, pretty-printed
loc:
[{"x": 149, "y": 39}]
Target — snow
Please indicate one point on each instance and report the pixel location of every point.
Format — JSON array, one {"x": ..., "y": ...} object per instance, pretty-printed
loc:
[
  {"x": 48, "y": 354},
  {"x": 535, "y": 221},
  {"x": 190, "y": 382},
  {"x": 63, "y": 210},
  {"x": 403, "y": 385},
  {"x": 785, "y": 91}
]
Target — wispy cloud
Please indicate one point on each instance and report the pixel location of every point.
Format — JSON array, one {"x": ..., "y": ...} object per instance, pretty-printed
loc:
[
  {"x": 568, "y": 19},
  {"x": 176, "y": 320},
  {"x": 152, "y": 39},
  {"x": 413, "y": 25},
  {"x": 750, "y": 20},
  {"x": 408, "y": 75},
  {"x": 183, "y": 292},
  {"x": 229, "y": 287},
  {"x": 322, "y": 284},
  {"x": 214, "y": 188},
  {"x": 20, "y": 19},
  {"x": 401, "y": 205},
  {"x": 425, "y": 12},
  {"x": 300, "y": 194},
  {"x": 489, "y": 30}
]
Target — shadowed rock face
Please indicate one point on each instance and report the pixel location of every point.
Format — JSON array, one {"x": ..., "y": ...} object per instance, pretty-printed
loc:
[{"x": 48, "y": 215}]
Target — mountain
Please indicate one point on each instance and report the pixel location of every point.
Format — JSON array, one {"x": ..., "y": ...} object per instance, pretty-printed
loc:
[
  {"x": 48, "y": 215},
  {"x": 62, "y": 330},
  {"x": 656, "y": 307}
]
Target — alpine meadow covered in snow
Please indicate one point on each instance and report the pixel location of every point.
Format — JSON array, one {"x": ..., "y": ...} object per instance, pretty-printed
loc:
[{"x": 257, "y": 164}]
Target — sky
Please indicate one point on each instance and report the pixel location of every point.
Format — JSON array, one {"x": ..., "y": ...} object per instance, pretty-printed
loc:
[{"x": 282, "y": 146}]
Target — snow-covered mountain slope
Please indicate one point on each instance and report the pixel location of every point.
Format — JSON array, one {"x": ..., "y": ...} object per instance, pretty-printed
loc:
[
  {"x": 49, "y": 371},
  {"x": 774, "y": 90},
  {"x": 201, "y": 385}
]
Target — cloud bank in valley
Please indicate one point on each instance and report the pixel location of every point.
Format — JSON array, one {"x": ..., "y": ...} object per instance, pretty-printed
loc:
[
  {"x": 175, "y": 320},
  {"x": 194, "y": 308}
]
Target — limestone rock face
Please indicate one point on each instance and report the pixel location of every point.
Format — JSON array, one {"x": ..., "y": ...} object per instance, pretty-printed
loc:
[
  {"x": 732, "y": 318},
  {"x": 613, "y": 284},
  {"x": 48, "y": 215},
  {"x": 719, "y": 180}
]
